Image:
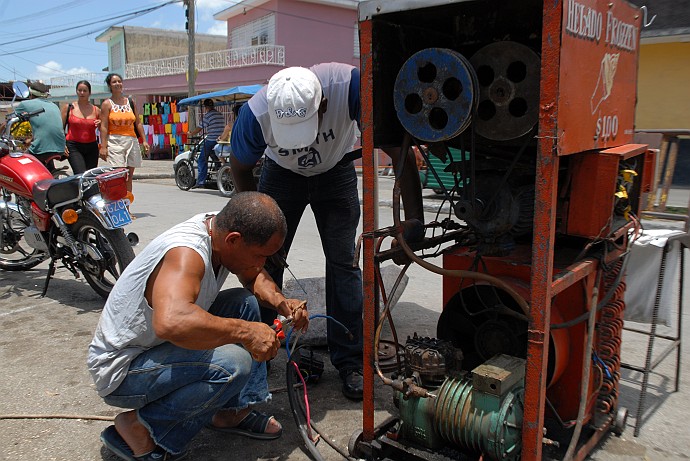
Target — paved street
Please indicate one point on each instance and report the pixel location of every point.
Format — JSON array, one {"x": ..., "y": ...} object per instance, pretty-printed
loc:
[{"x": 43, "y": 352}]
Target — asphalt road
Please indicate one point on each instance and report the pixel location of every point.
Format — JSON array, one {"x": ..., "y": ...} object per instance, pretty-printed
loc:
[{"x": 44, "y": 381}]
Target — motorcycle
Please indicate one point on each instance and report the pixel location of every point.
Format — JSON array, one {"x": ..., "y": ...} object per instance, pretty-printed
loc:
[{"x": 76, "y": 221}]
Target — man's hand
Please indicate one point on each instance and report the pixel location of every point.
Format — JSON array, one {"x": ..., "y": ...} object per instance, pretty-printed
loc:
[
  {"x": 297, "y": 312},
  {"x": 263, "y": 344}
]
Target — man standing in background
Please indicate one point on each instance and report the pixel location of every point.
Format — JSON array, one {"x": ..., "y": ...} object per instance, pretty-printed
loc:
[{"x": 214, "y": 124}]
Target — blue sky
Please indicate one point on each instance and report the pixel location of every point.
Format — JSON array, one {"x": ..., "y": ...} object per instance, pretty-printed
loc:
[{"x": 57, "y": 53}]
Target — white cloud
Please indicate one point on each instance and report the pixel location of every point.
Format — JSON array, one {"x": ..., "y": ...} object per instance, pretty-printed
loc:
[
  {"x": 51, "y": 69},
  {"x": 168, "y": 25},
  {"x": 213, "y": 5},
  {"x": 219, "y": 28},
  {"x": 207, "y": 8}
]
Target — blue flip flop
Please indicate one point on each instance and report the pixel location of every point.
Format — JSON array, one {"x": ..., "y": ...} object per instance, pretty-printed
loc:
[
  {"x": 115, "y": 443},
  {"x": 253, "y": 426}
]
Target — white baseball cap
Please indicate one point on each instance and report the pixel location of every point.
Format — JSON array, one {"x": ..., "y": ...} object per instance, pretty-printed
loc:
[{"x": 294, "y": 96}]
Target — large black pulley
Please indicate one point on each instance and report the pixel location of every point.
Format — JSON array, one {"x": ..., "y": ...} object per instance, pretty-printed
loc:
[
  {"x": 435, "y": 94},
  {"x": 508, "y": 75}
]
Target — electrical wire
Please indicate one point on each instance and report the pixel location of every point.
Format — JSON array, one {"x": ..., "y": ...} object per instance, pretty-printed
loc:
[
  {"x": 311, "y": 317},
  {"x": 46, "y": 12},
  {"x": 125, "y": 15},
  {"x": 302, "y": 412},
  {"x": 80, "y": 35},
  {"x": 300, "y": 416}
]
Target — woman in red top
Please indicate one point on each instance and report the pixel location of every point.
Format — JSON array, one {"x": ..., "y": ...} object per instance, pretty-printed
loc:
[{"x": 81, "y": 118}]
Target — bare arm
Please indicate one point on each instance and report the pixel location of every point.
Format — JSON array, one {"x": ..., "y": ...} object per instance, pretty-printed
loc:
[
  {"x": 242, "y": 175},
  {"x": 269, "y": 295},
  {"x": 105, "y": 112},
  {"x": 172, "y": 290},
  {"x": 63, "y": 114},
  {"x": 97, "y": 112},
  {"x": 225, "y": 136}
]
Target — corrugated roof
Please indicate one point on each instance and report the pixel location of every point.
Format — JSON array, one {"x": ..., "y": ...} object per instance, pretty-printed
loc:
[{"x": 672, "y": 17}]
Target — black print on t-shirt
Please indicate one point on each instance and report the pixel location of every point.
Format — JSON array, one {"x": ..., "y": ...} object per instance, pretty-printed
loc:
[{"x": 310, "y": 160}]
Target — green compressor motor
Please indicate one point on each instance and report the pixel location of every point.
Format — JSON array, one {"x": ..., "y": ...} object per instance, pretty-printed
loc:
[{"x": 479, "y": 412}]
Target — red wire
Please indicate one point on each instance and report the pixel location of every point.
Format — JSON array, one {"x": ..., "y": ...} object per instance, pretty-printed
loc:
[{"x": 306, "y": 400}]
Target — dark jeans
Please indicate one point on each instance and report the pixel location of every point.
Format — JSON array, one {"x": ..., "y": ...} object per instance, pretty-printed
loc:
[
  {"x": 82, "y": 156},
  {"x": 177, "y": 391},
  {"x": 202, "y": 161},
  {"x": 334, "y": 200}
]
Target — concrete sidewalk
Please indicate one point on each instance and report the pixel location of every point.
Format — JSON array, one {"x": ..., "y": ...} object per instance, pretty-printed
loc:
[{"x": 155, "y": 169}]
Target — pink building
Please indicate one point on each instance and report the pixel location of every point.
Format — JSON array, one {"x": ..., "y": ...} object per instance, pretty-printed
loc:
[{"x": 263, "y": 37}]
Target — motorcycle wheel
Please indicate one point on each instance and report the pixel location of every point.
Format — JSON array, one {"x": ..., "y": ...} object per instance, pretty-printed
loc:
[
  {"x": 226, "y": 185},
  {"x": 15, "y": 253},
  {"x": 184, "y": 175},
  {"x": 116, "y": 251}
]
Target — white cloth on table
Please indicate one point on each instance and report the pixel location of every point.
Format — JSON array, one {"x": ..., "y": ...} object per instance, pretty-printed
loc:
[{"x": 643, "y": 274}]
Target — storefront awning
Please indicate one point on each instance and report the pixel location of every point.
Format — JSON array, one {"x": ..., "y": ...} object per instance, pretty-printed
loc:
[{"x": 222, "y": 97}]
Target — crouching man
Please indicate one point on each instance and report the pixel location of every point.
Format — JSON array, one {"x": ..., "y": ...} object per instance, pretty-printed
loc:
[{"x": 179, "y": 352}]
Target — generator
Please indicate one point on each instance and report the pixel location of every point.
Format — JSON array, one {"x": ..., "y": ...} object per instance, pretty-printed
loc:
[{"x": 530, "y": 106}]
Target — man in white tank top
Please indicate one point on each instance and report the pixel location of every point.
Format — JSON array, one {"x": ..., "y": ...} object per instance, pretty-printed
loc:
[{"x": 181, "y": 353}]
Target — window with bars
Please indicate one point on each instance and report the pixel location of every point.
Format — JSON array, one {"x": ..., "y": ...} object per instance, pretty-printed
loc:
[{"x": 261, "y": 31}]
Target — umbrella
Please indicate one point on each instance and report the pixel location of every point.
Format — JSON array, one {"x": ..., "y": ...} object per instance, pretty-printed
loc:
[{"x": 222, "y": 97}]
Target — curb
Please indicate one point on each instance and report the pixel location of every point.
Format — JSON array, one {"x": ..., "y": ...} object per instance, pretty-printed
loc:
[{"x": 153, "y": 176}]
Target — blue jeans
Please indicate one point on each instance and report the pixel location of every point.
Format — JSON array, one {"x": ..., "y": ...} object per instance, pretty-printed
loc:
[
  {"x": 202, "y": 161},
  {"x": 334, "y": 200},
  {"x": 177, "y": 391}
]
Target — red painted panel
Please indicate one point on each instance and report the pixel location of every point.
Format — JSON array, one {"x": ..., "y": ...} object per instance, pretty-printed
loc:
[
  {"x": 598, "y": 74},
  {"x": 593, "y": 182}
]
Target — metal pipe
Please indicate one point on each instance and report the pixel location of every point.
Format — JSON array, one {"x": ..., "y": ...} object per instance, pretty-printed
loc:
[
  {"x": 584, "y": 386},
  {"x": 432, "y": 267}
]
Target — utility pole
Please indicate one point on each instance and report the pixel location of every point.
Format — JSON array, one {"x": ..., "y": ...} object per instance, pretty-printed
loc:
[{"x": 191, "y": 68}]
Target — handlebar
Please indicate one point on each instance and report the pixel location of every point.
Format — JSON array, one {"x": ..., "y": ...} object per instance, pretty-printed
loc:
[
  {"x": 14, "y": 118},
  {"x": 24, "y": 116},
  {"x": 8, "y": 144}
]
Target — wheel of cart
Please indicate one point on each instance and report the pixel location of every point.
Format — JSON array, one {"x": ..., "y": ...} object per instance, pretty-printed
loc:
[
  {"x": 185, "y": 176},
  {"x": 185, "y": 165},
  {"x": 226, "y": 183}
]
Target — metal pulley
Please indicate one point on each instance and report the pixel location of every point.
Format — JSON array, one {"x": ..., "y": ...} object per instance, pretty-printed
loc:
[
  {"x": 508, "y": 75},
  {"x": 435, "y": 94}
]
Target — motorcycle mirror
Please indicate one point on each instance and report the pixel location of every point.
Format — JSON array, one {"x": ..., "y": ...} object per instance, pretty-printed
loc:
[
  {"x": 133, "y": 239},
  {"x": 21, "y": 90}
]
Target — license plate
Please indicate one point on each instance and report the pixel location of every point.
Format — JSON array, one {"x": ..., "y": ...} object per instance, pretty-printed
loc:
[{"x": 118, "y": 213}]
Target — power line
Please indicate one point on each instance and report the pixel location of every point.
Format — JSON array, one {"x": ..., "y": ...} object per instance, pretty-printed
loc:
[
  {"x": 127, "y": 16},
  {"x": 44, "y": 12},
  {"x": 14, "y": 72},
  {"x": 133, "y": 14}
]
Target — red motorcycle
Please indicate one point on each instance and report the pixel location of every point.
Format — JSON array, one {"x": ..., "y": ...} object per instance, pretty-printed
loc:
[{"x": 76, "y": 221}]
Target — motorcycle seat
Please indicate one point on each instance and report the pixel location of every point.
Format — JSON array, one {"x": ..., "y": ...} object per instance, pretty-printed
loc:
[{"x": 49, "y": 192}]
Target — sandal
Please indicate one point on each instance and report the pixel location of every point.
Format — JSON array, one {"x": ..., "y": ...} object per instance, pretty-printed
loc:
[
  {"x": 115, "y": 443},
  {"x": 253, "y": 425}
]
